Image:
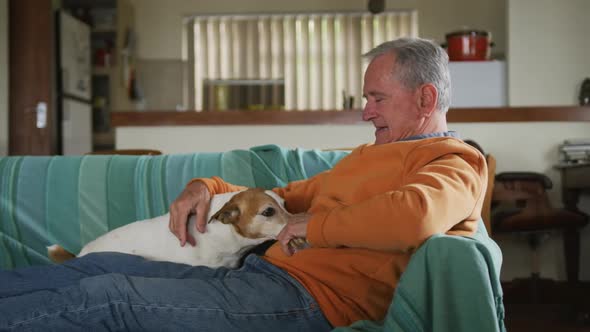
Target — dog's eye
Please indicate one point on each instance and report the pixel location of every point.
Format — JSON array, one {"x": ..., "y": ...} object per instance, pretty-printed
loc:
[{"x": 268, "y": 212}]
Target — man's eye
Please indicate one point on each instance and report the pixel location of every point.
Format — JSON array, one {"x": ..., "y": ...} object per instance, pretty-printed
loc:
[{"x": 268, "y": 212}]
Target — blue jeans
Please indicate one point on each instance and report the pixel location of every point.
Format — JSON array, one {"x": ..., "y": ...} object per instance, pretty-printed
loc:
[{"x": 119, "y": 292}]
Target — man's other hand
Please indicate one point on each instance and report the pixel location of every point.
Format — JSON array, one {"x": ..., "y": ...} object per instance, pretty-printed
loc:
[
  {"x": 194, "y": 199},
  {"x": 292, "y": 236}
]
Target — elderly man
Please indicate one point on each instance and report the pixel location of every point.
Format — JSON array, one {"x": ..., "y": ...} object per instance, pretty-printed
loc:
[{"x": 362, "y": 220}]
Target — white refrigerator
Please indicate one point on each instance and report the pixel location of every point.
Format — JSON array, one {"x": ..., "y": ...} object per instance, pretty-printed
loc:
[{"x": 74, "y": 84}]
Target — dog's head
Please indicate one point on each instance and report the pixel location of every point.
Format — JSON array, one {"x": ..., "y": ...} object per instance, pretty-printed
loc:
[{"x": 254, "y": 213}]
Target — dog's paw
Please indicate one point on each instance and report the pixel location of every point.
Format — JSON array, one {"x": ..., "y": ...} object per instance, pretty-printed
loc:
[
  {"x": 297, "y": 244},
  {"x": 58, "y": 254}
]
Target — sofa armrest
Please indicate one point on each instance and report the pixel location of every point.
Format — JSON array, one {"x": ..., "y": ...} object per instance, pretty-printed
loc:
[{"x": 452, "y": 283}]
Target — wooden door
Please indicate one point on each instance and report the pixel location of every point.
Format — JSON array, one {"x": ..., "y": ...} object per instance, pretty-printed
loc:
[{"x": 31, "y": 60}]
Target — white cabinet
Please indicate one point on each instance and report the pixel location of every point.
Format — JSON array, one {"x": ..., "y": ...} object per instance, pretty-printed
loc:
[{"x": 478, "y": 83}]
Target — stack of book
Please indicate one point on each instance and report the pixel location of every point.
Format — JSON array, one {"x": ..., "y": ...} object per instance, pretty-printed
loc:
[{"x": 575, "y": 151}]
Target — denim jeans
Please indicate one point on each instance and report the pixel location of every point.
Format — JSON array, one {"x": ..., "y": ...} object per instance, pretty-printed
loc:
[{"x": 119, "y": 292}]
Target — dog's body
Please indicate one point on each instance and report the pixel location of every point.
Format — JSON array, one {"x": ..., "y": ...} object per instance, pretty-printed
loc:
[{"x": 237, "y": 222}]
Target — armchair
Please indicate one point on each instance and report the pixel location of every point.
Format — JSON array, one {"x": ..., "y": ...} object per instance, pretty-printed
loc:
[{"x": 521, "y": 205}]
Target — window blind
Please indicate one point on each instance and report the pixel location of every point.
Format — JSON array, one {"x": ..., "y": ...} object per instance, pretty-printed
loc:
[{"x": 317, "y": 56}]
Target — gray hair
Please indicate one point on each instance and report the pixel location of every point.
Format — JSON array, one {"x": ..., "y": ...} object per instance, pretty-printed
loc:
[{"x": 419, "y": 61}]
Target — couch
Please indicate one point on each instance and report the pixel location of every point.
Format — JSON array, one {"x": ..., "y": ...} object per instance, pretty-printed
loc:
[{"x": 451, "y": 284}]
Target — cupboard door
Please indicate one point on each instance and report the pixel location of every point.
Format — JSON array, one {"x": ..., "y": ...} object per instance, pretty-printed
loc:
[{"x": 33, "y": 129}]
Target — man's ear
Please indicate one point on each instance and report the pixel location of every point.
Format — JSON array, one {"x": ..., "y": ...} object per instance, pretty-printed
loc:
[
  {"x": 427, "y": 99},
  {"x": 228, "y": 214}
]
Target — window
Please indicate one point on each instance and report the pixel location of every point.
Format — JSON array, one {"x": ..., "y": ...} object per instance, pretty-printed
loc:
[{"x": 316, "y": 59}]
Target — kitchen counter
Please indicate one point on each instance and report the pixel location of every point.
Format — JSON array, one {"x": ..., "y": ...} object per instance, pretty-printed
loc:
[{"x": 349, "y": 117}]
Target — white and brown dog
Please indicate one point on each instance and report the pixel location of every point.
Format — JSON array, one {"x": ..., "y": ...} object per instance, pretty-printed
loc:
[{"x": 238, "y": 221}]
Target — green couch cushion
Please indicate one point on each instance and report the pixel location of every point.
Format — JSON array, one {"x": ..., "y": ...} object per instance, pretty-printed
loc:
[{"x": 74, "y": 199}]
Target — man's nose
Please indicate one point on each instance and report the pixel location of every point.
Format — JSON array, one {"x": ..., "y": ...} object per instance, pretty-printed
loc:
[{"x": 368, "y": 112}]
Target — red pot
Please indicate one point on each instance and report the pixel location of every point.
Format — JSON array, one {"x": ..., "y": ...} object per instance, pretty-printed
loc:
[{"x": 468, "y": 45}]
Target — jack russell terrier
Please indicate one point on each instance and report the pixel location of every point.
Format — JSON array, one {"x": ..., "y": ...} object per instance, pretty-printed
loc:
[{"x": 241, "y": 221}]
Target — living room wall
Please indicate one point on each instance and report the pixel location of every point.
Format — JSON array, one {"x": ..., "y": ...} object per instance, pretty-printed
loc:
[
  {"x": 159, "y": 25},
  {"x": 3, "y": 77},
  {"x": 548, "y": 52}
]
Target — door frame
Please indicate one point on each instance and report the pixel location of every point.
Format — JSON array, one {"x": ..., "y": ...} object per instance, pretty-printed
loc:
[{"x": 31, "y": 77}]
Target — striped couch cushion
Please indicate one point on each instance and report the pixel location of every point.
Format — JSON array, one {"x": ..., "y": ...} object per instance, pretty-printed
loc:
[{"x": 72, "y": 200}]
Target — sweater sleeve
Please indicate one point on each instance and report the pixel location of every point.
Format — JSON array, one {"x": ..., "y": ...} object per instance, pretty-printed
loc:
[
  {"x": 298, "y": 195},
  {"x": 216, "y": 185},
  {"x": 437, "y": 193}
]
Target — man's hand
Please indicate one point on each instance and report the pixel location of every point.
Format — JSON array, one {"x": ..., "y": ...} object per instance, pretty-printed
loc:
[
  {"x": 194, "y": 199},
  {"x": 294, "y": 233}
]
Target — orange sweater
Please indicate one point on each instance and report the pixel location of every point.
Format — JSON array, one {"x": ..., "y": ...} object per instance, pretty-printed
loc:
[{"x": 370, "y": 212}]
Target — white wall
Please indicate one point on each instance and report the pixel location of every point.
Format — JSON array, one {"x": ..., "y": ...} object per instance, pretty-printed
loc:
[
  {"x": 548, "y": 51},
  {"x": 548, "y": 56},
  {"x": 187, "y": 139},
  {"x": 159, "y": 24},
  {"x": 3, "y": 77}
]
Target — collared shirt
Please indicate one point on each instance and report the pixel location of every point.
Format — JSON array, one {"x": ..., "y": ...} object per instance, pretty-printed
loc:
[{"x": 449, "y": 133}]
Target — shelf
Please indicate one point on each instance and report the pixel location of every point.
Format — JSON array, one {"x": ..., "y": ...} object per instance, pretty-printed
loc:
[{"x": 353, "y": 117}]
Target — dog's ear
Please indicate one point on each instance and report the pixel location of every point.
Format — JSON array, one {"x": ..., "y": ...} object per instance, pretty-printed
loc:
[{"x": 228, "y": 214}]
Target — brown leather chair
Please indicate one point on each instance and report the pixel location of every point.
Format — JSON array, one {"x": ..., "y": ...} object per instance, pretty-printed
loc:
[
  {"x": 520, "y": 205},
  {"x": 517, "y": 202}
]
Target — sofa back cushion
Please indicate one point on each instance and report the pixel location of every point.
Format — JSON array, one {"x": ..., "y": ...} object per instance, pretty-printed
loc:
[{"x": 72, "y": 200}]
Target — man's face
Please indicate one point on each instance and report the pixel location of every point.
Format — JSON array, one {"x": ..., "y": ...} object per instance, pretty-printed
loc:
[{"x": 391, "y": 107}]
